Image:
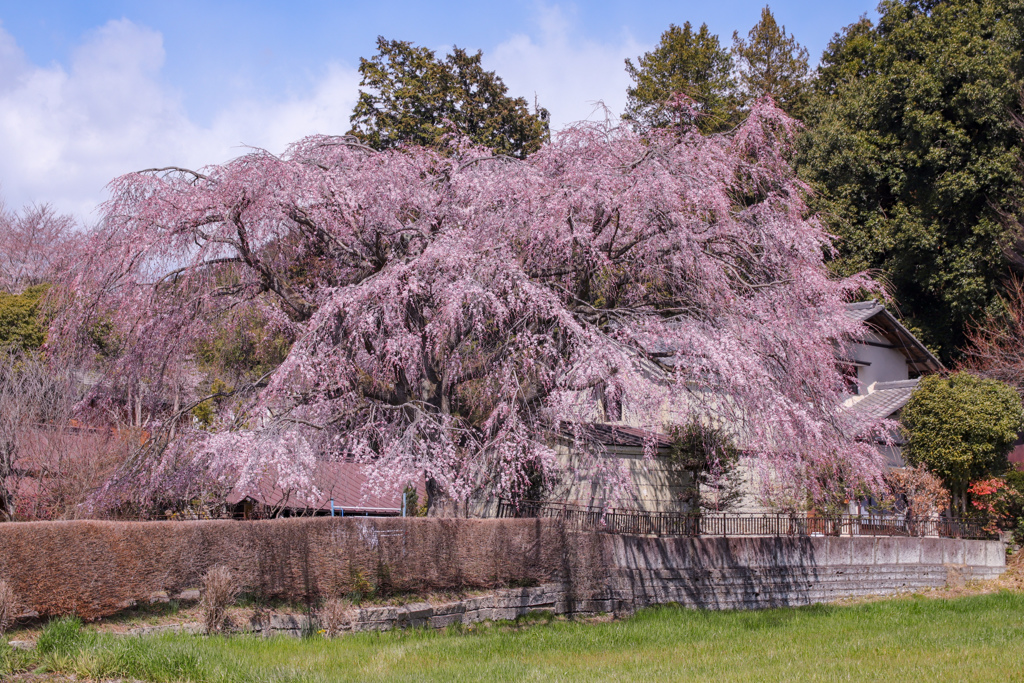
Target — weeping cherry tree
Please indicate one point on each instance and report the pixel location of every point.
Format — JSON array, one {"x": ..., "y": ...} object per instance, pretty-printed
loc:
[{"x": 450, "y": 312}]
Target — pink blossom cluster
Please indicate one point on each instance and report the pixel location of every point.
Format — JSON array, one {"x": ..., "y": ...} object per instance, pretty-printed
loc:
[{"x": 453, "y": 311}]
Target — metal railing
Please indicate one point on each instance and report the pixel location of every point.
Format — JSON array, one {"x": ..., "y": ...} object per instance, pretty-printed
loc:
[{"x": 625, "y": 521}]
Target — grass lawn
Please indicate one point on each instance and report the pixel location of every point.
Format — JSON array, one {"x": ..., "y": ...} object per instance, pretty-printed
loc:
[{"x": 904, "y": 639}]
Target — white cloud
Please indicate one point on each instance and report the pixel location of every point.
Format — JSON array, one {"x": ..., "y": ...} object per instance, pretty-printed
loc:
[
  {"x": 65, "y": 133},
  {"x": 569, "y": 74}
]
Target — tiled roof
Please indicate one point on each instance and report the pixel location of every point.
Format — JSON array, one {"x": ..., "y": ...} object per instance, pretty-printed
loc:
[
  {"x": 881, "y": 321},
  {"x": 341, "y": 481},
  {"x": 863, "y": 310},
  {"x": 882, "y": 400}
]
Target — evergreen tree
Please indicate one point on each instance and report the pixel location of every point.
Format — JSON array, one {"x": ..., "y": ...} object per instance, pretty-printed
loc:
[
  {"x": 961, "y": 428},
  {"x": 915, "y": 155},
  {"x": 771, "y": 62},
  {"x": 410, "y": 94},
  {"x": 21, "y": 323},
  {"x": 685, "y": 61},
  {"x": 846, "y": 58}
]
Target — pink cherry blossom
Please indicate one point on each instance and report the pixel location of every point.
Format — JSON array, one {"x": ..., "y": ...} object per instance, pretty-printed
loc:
[{"x": 453, "y": 311}]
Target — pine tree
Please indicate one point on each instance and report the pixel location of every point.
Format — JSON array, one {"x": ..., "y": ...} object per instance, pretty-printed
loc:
[
  {"x": 771, "y": 62},
  {"x": 689, "y": 62},
  {"x": 409, "y": 96},
  {"x": 847, "y": 58}
]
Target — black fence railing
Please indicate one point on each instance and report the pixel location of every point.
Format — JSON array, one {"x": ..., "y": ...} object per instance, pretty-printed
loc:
[{"x": 622, "y": 521}]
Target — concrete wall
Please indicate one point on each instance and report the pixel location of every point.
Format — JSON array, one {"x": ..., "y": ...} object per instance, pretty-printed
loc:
[
  {"x": 755, "y": 572},
  {"x": 620, "y": 574}
]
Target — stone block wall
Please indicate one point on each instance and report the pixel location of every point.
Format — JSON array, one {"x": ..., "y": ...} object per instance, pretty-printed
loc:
[{"x": 756, "y": 572}]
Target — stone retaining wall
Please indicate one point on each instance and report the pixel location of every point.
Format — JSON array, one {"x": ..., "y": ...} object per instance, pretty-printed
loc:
[
  {"x": 756, "y": 572},
  {"x": 708, "y": 573}
]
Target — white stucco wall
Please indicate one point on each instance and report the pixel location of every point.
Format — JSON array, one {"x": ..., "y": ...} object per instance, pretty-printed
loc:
[{"x": 886, "y": 364}]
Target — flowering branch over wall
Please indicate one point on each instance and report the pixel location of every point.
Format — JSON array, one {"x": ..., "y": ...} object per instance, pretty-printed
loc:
[{"x": 450, "y": 312}]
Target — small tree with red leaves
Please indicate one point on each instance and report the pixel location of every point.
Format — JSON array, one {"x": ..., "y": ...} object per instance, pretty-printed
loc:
[
  {"x": 999, "y": 501},
  {"x": 917, "y": 492}
]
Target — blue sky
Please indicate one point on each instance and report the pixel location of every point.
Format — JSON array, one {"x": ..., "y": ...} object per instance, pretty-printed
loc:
[{"x": 90, "y": 90}]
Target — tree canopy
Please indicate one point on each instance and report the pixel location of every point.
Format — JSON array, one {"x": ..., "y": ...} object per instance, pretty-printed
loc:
[
  {"x": 453, "y": 311},
  {"x": 21, "y": 322},
  {"x": 409, "y": 96},
  {"x": 770, "y": 62},
  {"x": 961, "y": 427},
  {"x": 915, "y": 153},
  {"x": 684, "y": 61},
  {"x": 32, "y": 241}
]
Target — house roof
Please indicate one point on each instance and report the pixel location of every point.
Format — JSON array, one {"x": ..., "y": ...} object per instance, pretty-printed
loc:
[
  {"x": 883, "y": 323},
  {"x": 874, "y": 315},
  {"x": 342, "y": 482},
  {"x": 882, "y": 400},
  {"x": 863, "y": 310}
]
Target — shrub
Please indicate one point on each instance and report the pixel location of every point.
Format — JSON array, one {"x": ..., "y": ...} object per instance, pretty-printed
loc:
[
  {"x": 918, "y": 489},
  {"x": 1001, "y": 502},
  {"x": 413, "y": 508},
  {"x": 360, "y": 586},
  {"x": 334, "y": 616},
  {"x": 709, "y": 460},
  {"x": 21, "y": 325},
  {"x": 1014, "y": 478},
  {"x": 219, "y": 592},
  {"x": 961, "y": 427},
  {"x": 8, "y": 605}
]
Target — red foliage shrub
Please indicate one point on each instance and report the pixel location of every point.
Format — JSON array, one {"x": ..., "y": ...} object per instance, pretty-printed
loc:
[
  {"x": 920, "y": 490},
  {"x": 999, "y": 501}
]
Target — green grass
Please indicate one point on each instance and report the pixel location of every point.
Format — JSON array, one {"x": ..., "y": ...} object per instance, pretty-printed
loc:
[{"x": 909, "y": 639}]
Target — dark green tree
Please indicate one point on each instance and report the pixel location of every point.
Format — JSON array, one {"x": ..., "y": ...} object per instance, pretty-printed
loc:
[
  {"x": 771, "y": 62},
  {"x": 685, "y": 61},
  {"x": 407, "y": 94},
  {"x": 847, "y": 58},
  {"x": 961, "y": 428},
  {"x": 916, "y": 157}
]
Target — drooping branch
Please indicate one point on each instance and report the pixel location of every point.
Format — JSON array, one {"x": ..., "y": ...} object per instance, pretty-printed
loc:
[{"x": 446, "y": 316}]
